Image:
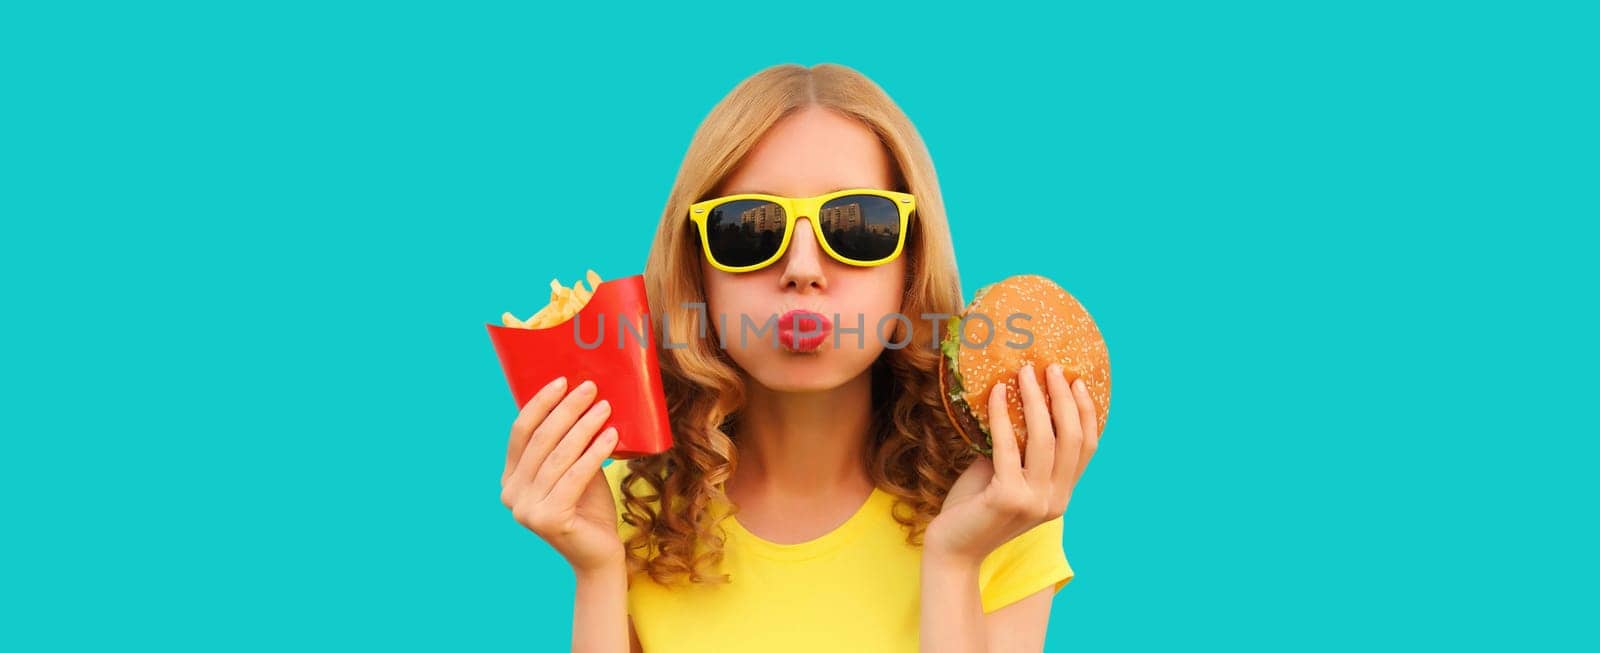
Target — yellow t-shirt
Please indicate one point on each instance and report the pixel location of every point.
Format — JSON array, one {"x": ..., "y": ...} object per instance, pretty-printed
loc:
[{"x": 856, "y": 588}]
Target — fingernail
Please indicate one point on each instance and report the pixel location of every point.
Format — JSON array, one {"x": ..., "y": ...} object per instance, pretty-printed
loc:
[
  {"x": 1078, "y": 383},
  {"x": 1054, "y": 369},
  {"x": 1028, "y": 368},
  {"x": 586, "y": 387},
  {"x": 559, "y": 383},
  {"x": 609, "y": 435},
  {"x": 605, "y": 404}
]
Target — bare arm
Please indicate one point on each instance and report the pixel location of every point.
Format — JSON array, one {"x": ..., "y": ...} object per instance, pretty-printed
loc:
[
  {"x": 952, "y": 611},
  {"x": 953, "y": 620},
  {"x": 600, "y": 621},
  {"x": 1021, "y": 626}
]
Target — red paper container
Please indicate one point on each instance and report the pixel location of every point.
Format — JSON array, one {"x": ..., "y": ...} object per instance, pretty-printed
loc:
[{"x": 622, "y": 363}]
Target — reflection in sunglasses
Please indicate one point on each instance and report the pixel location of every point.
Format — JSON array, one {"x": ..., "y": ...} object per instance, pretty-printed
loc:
[
  {"x": 852, "y": 227},
  {"x": 862, "y": 228},
  {"x": 763, "y": 217}
]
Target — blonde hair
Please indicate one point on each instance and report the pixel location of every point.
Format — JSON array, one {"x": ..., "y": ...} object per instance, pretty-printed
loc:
[{"x": 914, "y": 453}]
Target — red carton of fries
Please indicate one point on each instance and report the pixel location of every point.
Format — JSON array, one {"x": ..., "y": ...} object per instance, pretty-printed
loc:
[{"x": 609, "y": 341}]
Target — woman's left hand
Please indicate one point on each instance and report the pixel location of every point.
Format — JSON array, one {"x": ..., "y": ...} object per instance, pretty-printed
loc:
[{"x": 995, "y": 501}]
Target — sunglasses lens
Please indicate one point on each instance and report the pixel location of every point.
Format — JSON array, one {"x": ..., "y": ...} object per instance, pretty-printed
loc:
[
  {"x": 745, "y": 232},
  {"x": 861, "y": 227}
]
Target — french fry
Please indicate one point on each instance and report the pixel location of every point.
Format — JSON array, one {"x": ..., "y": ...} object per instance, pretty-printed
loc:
[
  {"x": 538, "y": 319},
  {"x": 564, "y": 303}
]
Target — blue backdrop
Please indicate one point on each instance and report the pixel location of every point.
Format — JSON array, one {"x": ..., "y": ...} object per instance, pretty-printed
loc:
[{"x": 1337, "y": 251}]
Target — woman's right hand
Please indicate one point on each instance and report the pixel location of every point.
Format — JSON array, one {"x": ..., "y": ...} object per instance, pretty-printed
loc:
[{"x": 555, "y": 487}]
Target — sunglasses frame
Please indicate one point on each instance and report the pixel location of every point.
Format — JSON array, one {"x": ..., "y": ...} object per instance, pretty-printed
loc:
[{"x": 793, "y": 208}]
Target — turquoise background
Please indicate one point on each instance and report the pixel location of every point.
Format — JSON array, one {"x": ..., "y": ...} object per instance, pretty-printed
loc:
[{"x": 1342, "y": 255}]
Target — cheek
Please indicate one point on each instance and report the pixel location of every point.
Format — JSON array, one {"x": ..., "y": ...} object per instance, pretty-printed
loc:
[
  {"x": 875, "y": 293},
  {"x": 730, "y": 294},
  {"x": 721, "y": 287},
  {"x": 893, "y": 299},
  {"x": 888, "y": 287}
]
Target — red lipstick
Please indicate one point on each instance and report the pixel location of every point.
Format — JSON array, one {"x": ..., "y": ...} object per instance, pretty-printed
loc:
[{"x": 800, "y": 330}]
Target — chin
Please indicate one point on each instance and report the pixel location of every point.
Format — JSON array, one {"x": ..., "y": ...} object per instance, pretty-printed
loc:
[
  {"x": 797, "y": 384},
  {"x": 823, "y": 369}
]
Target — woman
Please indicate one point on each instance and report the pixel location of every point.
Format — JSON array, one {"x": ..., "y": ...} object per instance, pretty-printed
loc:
[{"x": 817, "y": 497}]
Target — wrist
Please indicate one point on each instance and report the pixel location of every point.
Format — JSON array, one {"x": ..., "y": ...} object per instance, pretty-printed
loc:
[
  {"x": 939, "y": 549},
  {"x": 600, "y": 572},
  {"x": 948, "y": 562}
]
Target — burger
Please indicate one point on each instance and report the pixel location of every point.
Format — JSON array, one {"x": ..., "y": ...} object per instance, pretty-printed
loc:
[{"x": 1012, "y": 322}]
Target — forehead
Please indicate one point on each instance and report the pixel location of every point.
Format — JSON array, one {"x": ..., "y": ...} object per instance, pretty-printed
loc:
[{"x": 810, "y": 152}]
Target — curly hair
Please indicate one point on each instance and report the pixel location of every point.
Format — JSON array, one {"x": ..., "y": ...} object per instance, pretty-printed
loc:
[{"x": 914, "y": 453}]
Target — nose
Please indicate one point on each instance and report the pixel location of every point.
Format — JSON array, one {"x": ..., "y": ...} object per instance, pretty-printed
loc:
[{"x": 802, "y": 264}]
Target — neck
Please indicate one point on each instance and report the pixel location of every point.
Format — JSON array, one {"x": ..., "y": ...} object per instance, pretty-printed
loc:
[{"x": 804, "y": 443}]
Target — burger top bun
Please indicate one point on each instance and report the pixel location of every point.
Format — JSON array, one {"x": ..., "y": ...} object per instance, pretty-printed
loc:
[{"x": 1062, "y": 332}]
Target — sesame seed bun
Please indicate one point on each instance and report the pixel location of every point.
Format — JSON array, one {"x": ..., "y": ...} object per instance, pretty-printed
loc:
[{"x": 1062, "y": 332}]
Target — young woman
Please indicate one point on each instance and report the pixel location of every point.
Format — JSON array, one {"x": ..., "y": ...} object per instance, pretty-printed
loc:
[{"x": 816, "y": 497}]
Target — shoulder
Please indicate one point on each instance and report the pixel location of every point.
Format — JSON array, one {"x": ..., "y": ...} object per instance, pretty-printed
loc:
[{"x": 616, "y": 472}]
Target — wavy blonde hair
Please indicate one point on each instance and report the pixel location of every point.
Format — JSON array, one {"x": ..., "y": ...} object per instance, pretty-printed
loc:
[{"x": 914, "y": 452}]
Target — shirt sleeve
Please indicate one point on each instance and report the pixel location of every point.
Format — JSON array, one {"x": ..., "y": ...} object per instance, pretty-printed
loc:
[{"x": 1028, "y": 563}]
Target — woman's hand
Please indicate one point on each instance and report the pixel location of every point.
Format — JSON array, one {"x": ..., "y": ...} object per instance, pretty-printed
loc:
[
  {"x": 554, "y": 486},
  {"x": 995, "y": 501}
]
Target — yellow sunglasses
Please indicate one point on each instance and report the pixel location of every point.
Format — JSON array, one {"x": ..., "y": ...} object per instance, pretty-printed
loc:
[{"x": 857, "y": 226}]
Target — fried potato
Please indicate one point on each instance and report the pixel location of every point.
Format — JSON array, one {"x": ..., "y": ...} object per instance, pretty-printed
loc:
[{"x": 564, "y": 303}]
